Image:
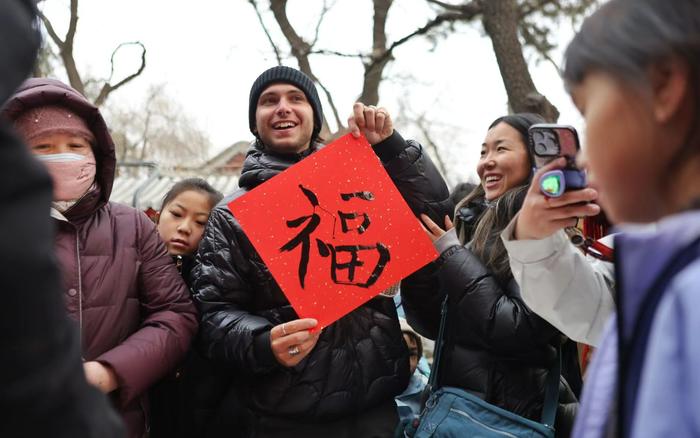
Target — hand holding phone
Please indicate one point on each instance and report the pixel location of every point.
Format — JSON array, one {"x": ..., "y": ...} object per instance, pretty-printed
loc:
[
  {"x": 549, "y": 142},
  {"x": 541, "y": 215}
]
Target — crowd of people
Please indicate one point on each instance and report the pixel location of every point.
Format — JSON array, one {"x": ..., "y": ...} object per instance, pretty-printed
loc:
[{"x": 119, "y": 326}]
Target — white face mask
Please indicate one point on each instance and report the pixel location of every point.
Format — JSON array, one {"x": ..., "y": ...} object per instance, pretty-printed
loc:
[{"x": 72, "y": 174}]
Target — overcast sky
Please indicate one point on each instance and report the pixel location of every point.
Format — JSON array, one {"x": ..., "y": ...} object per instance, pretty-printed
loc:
[{"x": 209, "y": 52}]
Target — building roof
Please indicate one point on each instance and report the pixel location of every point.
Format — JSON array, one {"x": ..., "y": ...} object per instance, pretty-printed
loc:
[
  {"x": 144, "y": 185},
  {"x": 145, "y": 192},
  {"x": 230, "y": 159}
]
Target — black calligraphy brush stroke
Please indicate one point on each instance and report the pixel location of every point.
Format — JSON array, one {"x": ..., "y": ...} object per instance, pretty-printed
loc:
[
  {"x": 384, "y": 258},
  {"x": 322, "y": 248},
  {"x": 310, "y": 195},
  {"x": 303, "y": 239},
  {"x": 367, "y": 196}
]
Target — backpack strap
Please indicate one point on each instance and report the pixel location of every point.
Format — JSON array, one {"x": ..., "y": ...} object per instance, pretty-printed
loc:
[
  {"x": 439, "y": 343},
  {"x": 551, "y": 393}
]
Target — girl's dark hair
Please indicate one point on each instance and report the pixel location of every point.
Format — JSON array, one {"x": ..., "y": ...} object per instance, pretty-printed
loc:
[
  {"x": 416, "y": 339},
  {"x": 484, "y": 235},
  {"x": 195, "y": 184},
  {"x": 521, "y": 122},
  {"x": 460, "y": 191},
  {"x": 625, "y": 37}
]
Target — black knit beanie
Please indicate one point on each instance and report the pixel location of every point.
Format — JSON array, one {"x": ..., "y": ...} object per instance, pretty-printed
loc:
[{"x": 286, "y": 75}]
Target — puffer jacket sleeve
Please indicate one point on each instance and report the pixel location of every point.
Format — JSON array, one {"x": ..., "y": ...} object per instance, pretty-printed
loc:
[
  {"x": 415, "y": 175},
  {"x": 425, "y": 192},
  {"x": 492, "y": 316},
  {"x": 168, "y": 325},
  {"x": 422, "y": 299},
  {"x": 229, "y": 332}
]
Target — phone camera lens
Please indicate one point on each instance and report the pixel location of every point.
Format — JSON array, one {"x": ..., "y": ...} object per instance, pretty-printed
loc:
[{"x": 540, "y": 143}]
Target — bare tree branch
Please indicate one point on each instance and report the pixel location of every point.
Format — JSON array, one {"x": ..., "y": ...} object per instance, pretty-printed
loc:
[
  {"x": 49, "y": 28},
  {"x": 72, "y": 24},
  {"x": 300, "y": 50},
  {"x": 157, "y": 129},
  {"x": 146, "y": 130},
  {"x": 65, "y": 46},
  {"x": 325, "y": 9},
  {"x": 442, "y": 18},
  {"x": 329, "y": 97},
  {"x": 108, "y": 88},
  {"x": 530, "y": 7},
  {"x": 447, "y": 6},
  {"x": 421, "y": 123},
  {"x": 532, "y": 40},
  {"x": 267, "y": 32},
  {"x": 381, "y": 13},
  {"x": 335, "y": 53},
  {"x": 470, "y": 8},
  {"x": 406, "y": 116},
  {"x": 375, "y": 68},
  {"x": 468, "y": 12}
]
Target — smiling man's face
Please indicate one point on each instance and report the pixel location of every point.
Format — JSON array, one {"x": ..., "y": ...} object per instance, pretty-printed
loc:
[{"x": 284, "y": 118}]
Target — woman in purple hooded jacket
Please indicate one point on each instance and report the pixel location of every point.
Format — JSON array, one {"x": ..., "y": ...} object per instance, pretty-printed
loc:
[
  {"x": 634, "y": 73},
  {"x": 132, "y": 308}
]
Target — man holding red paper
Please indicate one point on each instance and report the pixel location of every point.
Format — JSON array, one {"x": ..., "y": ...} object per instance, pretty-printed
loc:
[{"x": 298, "y": 380}]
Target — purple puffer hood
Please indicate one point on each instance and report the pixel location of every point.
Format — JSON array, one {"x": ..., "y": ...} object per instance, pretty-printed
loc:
[{"x": 36, "y": 92}]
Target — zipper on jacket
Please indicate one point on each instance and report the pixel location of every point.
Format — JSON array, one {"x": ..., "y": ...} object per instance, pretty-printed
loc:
[
  {"x": 80, "y": 288},
  {"x": 485, "y": 426}
]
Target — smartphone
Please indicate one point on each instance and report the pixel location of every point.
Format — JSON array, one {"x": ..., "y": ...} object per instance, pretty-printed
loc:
[{"x": 549, "y": 142}]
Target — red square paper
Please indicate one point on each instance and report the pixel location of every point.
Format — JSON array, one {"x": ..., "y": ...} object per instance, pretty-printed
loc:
[{"x": 333, "y": 230}]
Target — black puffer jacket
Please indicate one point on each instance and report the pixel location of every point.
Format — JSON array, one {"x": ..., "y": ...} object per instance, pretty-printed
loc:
[
  {"x": 196, "y": 400},
  {"x": 359, "y": 362},
  {"x": 496, "y": 347}
]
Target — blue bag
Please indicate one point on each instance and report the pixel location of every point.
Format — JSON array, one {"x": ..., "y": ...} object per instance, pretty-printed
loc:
[{"x": 452, "y": 412}]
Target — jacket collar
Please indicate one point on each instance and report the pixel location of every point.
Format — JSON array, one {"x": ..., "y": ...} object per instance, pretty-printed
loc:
[
  {"x": 261, "y": 164},
  {"x": 642, "y": 257}
]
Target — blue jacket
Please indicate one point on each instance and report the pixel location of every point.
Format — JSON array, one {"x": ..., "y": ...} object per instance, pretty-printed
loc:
[{"x": 646, "y": 352}]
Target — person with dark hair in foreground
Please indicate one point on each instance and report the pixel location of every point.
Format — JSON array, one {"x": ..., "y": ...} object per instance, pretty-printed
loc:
[
  {"x": 633, "y": 71},
  {"x": 43, "y": 391}
]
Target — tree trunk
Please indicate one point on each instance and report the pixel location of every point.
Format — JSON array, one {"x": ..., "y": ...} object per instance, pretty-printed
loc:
[
  {"x": 374, "y": 69},
  {"x": 500, "y": 19},
  {"x": 300, "y": 50},
  {"x": 65, "y": 51},
  {"x": 71, "y": 69}
]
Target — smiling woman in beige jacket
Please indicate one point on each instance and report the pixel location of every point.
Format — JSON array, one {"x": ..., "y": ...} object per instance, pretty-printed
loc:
[{"x": 571, "y": 291}]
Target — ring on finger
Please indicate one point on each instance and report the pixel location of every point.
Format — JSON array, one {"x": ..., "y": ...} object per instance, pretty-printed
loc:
[
  {"x": 284, "y": 332},
  {"x": 294, "y": 350}
]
